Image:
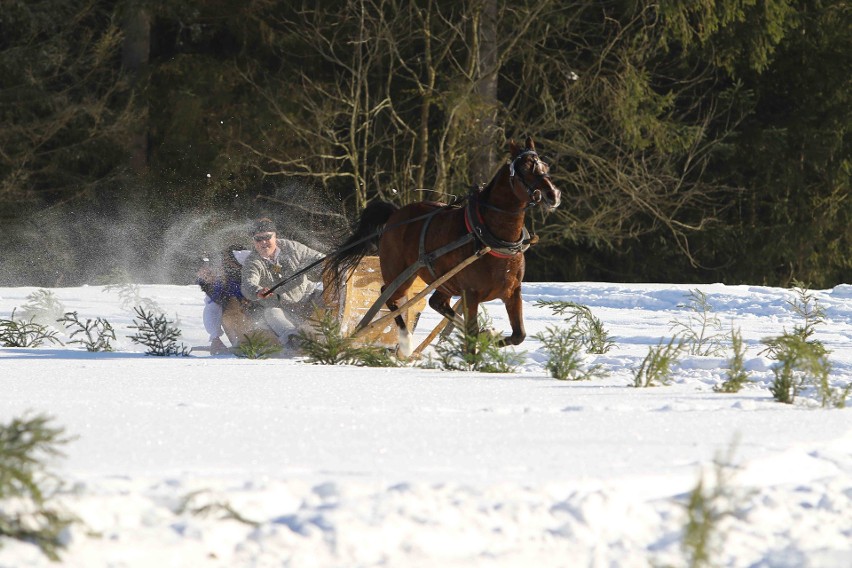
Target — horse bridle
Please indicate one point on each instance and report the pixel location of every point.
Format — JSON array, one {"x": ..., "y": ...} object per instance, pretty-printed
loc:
[{"x": 532, "y": 191}]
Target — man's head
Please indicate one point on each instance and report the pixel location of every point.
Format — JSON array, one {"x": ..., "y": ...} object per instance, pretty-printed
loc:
[{"x": 264, "y": 234}]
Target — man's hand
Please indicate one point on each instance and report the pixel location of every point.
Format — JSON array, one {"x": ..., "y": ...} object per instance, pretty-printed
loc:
[{"x": 262, "y": 294}]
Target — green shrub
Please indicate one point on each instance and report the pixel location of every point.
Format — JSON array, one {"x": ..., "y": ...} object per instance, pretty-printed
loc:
[
  {"x": 95, "y": 335},
  {"x": 806, "y": 306},
  {"x": 656, "y": 367},
  {"x": 830, "y": 396},
  {"x": 42, "y": 307},
  {"x": 564, "y": 361},
  {"x": 811, "y": 313},
  {"x": 706, "y": 506},
  {"x": 737, "y": 376},
  {"x": 223, "y": 509},
  {"x": 257, "y": 345},
  {"x": 375, "y": 356},
  {"x": 325, "y": 344},
  {"x": 26, "y": 486},
  {"x": 800, "y": 359},
  {"x": 130, "y": 297},
  {"x": 785, "y": 386},
  {"x": 157, "y": 334},
  {"x": 590, "y": 330},
  {"x": 702, "y": 330},
  {"x": 18, "y": 333},
  {"x": 794, "y": 356},
  {"x": 800, "y": 362},
  {"x": 477, "y": 352}
]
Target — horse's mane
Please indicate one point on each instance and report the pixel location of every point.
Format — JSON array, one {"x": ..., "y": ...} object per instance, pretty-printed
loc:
[{"x": 484, "y": 192}]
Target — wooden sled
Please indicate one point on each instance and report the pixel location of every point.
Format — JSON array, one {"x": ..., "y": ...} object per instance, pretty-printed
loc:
[
  {"x": 364, "y": 316},
  {"x": 359, "y": 294},
  {"x": 239, "y": 322}
]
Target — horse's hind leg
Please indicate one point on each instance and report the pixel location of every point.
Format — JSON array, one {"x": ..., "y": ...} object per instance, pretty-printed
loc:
[
  {"x": 405, "y": 347},
  {"x": 440, "y": 302},
  {"x": 404, "y": 336}
]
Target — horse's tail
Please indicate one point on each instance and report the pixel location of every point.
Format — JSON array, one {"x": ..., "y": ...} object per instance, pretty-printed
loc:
[{"x": 342, "y": 262}]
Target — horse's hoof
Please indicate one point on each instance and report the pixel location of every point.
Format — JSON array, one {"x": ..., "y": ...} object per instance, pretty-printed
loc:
[{"x": 493, "y": 333}]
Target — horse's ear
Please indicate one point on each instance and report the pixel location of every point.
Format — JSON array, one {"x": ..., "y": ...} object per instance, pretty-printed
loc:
[
  {"x": 530, "y": 143},
  {"x": 513, "y": 148}
]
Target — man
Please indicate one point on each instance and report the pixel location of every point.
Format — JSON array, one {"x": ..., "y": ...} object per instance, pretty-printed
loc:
[{"x": 271, "y": 261}]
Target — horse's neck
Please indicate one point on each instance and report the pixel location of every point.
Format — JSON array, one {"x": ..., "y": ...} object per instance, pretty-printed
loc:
[{"x": 507, "y": 221}]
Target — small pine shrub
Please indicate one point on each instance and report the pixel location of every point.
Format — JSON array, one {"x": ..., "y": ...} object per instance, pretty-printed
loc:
[
  {"x": 798, "y": 362},
  {"x": 702, "y": 332},
  {"x": 325, "y": 344},
  {"x": 737, "y": 376},
  {"x": 656, "y": 368},
  {"x": 18, "y": 333},
  {"x": 706, "y": 506},
  {"x": 95, "y": 335},
  {"x": 130, "y": 297},
  {"x": 42, "y": 307},
  {"x": 806, "y": 306},
  {"x": 830, "y": 396},
  {"x": 476, "y": 352},
  {"x": 223, "y": 509},
  {"x": 257, "y": 345},
  {"x": 157, "y": 334},
  {"x": 26, "y": 444},
  {"x": 564, "y": 361},
  {"x": 375, "y": 356},
  {"x": 785, "y": 386},
  {"x": 812, "y": 313},
  {"x": 591, "y": 332}
]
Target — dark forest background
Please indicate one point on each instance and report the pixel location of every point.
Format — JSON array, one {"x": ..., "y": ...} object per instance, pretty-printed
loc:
[{"x": 694, "y": 141}]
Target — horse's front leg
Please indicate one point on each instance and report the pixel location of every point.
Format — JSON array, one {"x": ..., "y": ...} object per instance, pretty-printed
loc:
[
  {"x": 470, "y": 307},
  {"x": 515, "y": 309}
]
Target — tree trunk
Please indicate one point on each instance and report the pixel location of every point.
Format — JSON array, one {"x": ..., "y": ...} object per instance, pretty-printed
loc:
[
  {"x": 135, "y": 53},
  {"x": 485, "y": 51}
]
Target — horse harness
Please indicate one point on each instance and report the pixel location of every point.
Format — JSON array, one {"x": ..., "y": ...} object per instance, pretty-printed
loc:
[
  {"x": 478, "y": 231},
  {"x": 476, "y": 227}
]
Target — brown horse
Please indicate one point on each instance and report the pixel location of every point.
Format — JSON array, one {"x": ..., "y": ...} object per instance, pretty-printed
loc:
[{"x": 428, "y": 239}]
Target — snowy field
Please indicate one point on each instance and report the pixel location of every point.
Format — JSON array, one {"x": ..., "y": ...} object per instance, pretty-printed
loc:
[{"x": 412, "y": 467}]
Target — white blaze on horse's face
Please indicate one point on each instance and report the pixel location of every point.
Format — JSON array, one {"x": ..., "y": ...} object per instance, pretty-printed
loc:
[{"x": 552, "y": 195}]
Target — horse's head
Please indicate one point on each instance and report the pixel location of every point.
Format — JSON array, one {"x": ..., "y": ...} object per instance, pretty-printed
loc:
[{"x": 535, "y": 185}]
